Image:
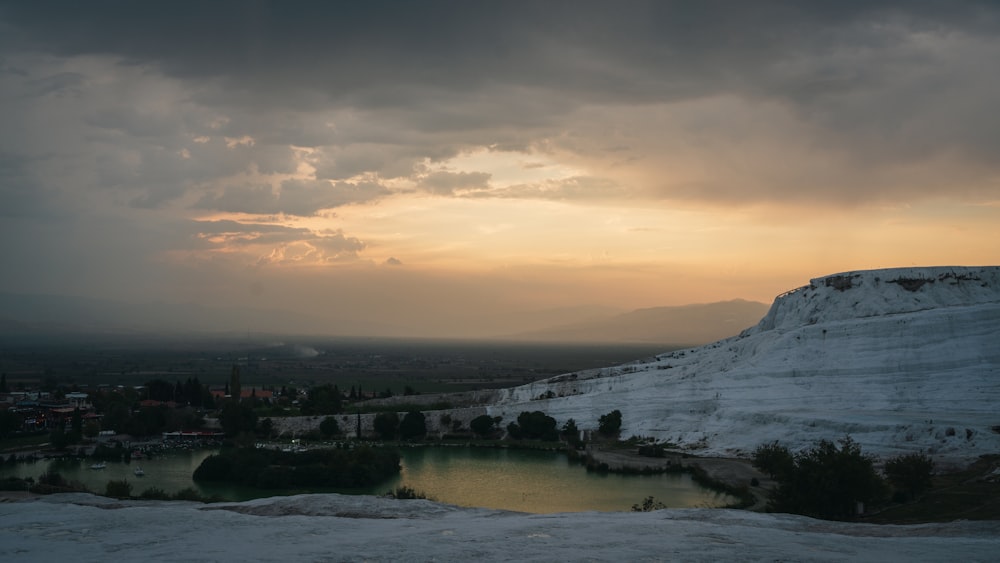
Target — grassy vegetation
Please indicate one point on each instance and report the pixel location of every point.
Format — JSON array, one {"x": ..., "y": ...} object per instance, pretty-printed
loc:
[
  {"x": 972, "y": 494},
  {"x": 24, "y": 442},
  {"x": 403, "y": 492}
]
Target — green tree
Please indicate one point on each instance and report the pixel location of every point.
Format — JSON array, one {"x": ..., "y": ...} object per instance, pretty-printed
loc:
[
  {"x": 774, "y": 459},
  {"x": 911, "y": 474},
  {"x": 610, "y": 424},
  {"x": 828, "y": 481},
  {"x": 329, "y": 427},
  {"x": 570, "y": 432},
  {"x": 534, "y": 425},
  {"x": 237, "y": 418},
  {"x": 266, "y": 427},
  {"x": 413, "y": 425},
  {"x": 77, "y": 421},
  {"x": 60, "y": 439},
  {"x": 116, "y": 417},
  {"x": 235, "y": 392},
  {"x": 386, "y": 424},
  {"x": 9, "y": 422},
  {"x": 324, "y": 399},
  {"x": 91, "y": 429},
  {"x": 160, "y": 390},
  {"x": 207, "y": 400},
  {"x": 483, "y": 425},
  {"x": 148, "y": 420}
]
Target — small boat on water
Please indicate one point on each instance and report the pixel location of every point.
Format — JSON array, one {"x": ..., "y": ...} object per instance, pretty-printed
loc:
[
  {"x": 138, "y": 472},
  {"x": 99, "y": 465}
]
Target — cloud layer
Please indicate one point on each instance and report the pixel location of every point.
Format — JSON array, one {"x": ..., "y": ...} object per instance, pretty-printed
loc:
[{"x": 276, "y": 134}]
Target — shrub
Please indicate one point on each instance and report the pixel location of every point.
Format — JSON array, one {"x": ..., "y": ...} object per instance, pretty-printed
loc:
[
  {"x": 53, "y": 479},
  {"x": 910, "y": 474},
  {"x": 329, "y": 427},
  {"x": 237, "y": 418},
  {"x": 773, "y": 459},
  {"x": 571, "y": 432},
  {"x": 52, "y": 482},
  {"x": 827, "y": 482},
  {"x": 649, "y": 504},
  {"x": 610, "y": 424},
  {"x": 413, "y": 425},
  {"x": 154, "y": 493},
  {"x": 403, "y": 492},
  {"x": 214, "y": 468},
  {"x": 483, "y": 425},
  {"x": 386, "y": 424},
  {"x": 534, "y": 425},
  {"x": 266, "y": 427},
  {"x": 118, "y": 489}
]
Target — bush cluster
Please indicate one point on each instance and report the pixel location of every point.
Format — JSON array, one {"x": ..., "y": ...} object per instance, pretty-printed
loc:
[
  {"x": 829, "y": 480},
  {"x": 269, "y": 469},
  {"x": 534, "y": 425}
]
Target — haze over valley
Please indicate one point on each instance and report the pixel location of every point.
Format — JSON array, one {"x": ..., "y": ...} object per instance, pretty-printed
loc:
[{"x": 731, "y": 241}]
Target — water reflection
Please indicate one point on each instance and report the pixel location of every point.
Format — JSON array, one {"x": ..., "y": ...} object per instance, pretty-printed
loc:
[
  {"x": 522, "y": 480},
  {"x": 538, "y": 481}
]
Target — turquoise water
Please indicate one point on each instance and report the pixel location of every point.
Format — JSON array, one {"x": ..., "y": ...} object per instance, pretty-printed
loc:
[{"x": 522, "y": 480}]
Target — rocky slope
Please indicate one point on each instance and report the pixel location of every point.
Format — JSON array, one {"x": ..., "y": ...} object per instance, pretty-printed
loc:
[{"x": 903, "y": 360}]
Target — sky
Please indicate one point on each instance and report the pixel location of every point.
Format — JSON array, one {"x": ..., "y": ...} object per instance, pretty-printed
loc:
[{"x": 430, "y": 165}]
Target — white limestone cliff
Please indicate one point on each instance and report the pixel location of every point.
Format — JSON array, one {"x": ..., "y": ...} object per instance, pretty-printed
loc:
[{"x": 902, "y": 360}]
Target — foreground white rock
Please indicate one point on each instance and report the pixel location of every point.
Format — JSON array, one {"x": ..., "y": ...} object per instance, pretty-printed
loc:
[
  {"x": 903, "y": 360},
  {"x": 342, "y": 528}
]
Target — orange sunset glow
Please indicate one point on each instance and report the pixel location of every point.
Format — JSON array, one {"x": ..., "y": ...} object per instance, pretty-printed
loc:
[{"x": 397, "y": 172}]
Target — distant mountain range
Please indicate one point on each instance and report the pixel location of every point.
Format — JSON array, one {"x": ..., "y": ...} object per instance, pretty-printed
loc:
[
  {"x": 685, "y": 324},
  {"x": 40, "y": 315},
  {"x": 58, "y": 314}
]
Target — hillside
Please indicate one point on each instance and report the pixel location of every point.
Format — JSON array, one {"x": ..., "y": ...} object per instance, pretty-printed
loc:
[
  {"x": 903, "y": 360},
  {"x": 686, "y": 324}
]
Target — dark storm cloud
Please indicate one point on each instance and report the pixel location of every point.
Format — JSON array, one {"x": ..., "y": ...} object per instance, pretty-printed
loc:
[
  {"x": 381, "y": 88},
  {"x": 388, "y": 160},
  {"x": 359, "y": 50},
  {"x": 293, "y": 197},
  {"x": 443, "y": 182}
]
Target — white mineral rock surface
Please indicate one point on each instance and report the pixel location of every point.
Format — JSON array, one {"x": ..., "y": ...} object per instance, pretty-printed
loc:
[
  {"x": 83, "y": 528},
  {"x": 903, "y": 360}
]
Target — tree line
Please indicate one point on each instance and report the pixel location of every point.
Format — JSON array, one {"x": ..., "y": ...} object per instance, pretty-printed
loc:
[{"x": 830, "y": 479}]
